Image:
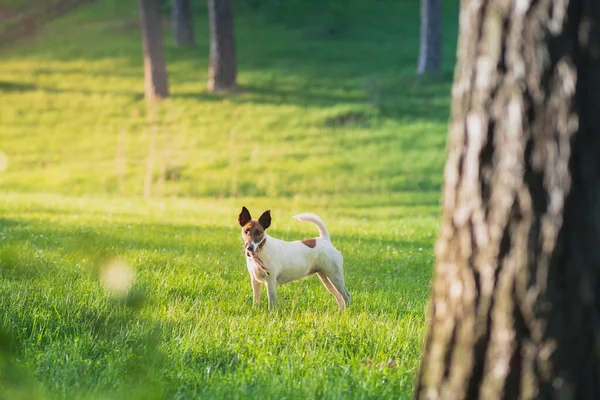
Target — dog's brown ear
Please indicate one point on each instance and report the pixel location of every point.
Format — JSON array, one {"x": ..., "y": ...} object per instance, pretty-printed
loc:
[
  {"x": 244, "y": 217},
  {"x": 265, "y": 219}
]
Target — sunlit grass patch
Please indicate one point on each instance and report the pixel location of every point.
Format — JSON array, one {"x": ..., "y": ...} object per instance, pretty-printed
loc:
[{"x": 188, "y": 325}]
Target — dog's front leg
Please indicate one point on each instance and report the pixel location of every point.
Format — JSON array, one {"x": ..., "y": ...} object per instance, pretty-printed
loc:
[
  {"x": 256, "y": 287},
  {"x": 272, "y": 294}
]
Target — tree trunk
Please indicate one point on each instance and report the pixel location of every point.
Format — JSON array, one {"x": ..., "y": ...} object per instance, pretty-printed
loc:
[
  {"x": 515, "y": 311},
  {"x": 222, "y": 71},
  {"x": 430, "y": 53},
  {"x": 183, "y": 25},
  {"x": 155, "y": 69}
]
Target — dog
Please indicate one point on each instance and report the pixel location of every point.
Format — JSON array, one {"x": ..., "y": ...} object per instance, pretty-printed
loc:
[{"x": 274, "y": 262}]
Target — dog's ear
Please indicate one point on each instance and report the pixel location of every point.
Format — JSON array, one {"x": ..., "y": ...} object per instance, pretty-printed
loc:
[
  {"x": 244, "y": 217},
  {"x": 265, "y": 219}
]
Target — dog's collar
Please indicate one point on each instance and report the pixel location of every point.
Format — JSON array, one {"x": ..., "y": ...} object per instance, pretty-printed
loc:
[{"x": 261, "y": 244}]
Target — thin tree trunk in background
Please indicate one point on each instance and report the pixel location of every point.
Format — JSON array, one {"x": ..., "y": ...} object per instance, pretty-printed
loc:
[
  {"x": 430, "y": 53},
  {"x": 152, "y": 126},
  {"x": 222, "y": 71},
  {"x": 155, "y": 69},
  {"x": 515, "y": 309},
  {"x": 182, "y": 21}
]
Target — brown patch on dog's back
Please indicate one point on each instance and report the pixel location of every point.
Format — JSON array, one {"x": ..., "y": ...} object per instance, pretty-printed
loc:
[{"x": 310, "y": 243}]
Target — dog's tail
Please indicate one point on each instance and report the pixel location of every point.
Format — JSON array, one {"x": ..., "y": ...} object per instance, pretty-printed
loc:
[{"x": 308, "y": 217}]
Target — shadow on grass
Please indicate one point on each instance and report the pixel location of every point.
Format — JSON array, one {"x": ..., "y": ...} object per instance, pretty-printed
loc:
[
  {"x": 357, "y": 67},
  {"x": 33, "y": 250},
  {"x": 16, "y": 87}
]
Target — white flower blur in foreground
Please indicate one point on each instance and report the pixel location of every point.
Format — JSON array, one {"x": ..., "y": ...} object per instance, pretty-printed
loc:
[{"x": 117, "y": 278}]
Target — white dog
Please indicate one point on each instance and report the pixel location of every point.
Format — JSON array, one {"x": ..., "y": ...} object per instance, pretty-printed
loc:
[{"x": 283, "y": 262}]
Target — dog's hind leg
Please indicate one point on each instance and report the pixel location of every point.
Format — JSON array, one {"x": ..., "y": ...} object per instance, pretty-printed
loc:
[
  {"x": 337, "y": 280},
  {"x": 272, "y": 294},
  {"x": 256, "y": 287},
  {"x": 332, "y": 290}
]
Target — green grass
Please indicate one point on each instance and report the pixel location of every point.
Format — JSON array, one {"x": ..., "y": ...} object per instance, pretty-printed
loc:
[{"x": 338, "y": 125}]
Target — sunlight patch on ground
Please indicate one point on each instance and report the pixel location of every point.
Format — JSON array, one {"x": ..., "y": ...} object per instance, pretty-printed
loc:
[{"x": 3, "y": 161}]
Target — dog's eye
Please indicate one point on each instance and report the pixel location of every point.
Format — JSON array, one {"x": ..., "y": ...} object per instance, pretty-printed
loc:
[{"x": 247, "y": 231}]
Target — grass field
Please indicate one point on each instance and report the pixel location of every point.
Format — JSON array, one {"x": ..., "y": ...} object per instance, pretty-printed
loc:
[{"x": 338, "y": 125}]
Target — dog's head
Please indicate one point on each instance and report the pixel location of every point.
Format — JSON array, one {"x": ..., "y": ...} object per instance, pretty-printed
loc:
[{"x": 253, "y": 231}]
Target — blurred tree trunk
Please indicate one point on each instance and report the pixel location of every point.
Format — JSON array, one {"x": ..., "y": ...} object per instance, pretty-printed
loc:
[
  {"x": 430, "y": 53},
  {"x": 515, "y": 309},
  {"x": 155, "y": 69},
  {"x": 183, "y": 25},
  {"x": 222, "y": 71}
]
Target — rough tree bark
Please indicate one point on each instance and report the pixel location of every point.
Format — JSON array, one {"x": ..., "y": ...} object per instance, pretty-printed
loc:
[
  {"x": 430, "y": 52},
  {"x": 222, "y": 70},
  {"x": 515, "y": 311},
  {"x": 183, "y": 25},
  {"x": 155, "y": 69}
]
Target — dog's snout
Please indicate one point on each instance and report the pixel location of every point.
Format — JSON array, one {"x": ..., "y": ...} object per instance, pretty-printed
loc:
[{"x": 251, "y": 247}]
